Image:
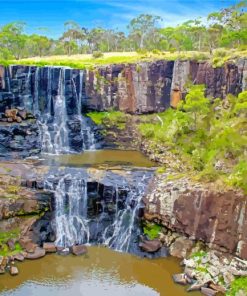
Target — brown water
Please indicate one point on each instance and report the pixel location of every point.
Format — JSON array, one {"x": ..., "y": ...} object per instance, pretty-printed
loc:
[
  {"x": 101, "y": 272},
  {"x": 100, "y": 157}
]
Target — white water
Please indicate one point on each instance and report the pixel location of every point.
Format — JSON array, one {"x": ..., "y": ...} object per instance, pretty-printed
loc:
[
  {"x": 74, "y": 224},
  {"x": 53, "y": 120},
  {"x": 71, "y": 222},
  {"x": 86, "y": 132}
]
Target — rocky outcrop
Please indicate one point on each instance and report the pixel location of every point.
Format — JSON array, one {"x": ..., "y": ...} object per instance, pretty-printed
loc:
[
  {"x": 19, "y": 140},
  {"x": 135, "y": 88},
  {"x": 201, "y": 212}
]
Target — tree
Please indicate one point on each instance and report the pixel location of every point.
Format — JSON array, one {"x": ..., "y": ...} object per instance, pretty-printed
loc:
[
  {"x": 141, "y": 26},
  {"x": 41, "y": 43},
  {"x": 195, "y": 103},
  {"x": 13, "y": 39}
]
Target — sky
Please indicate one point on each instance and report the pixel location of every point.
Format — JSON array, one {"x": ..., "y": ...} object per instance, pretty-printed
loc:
[{"x": 114, "y": 14}]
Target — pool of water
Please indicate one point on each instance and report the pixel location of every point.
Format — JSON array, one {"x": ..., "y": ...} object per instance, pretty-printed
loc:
[
  {"x": 99, "y": 157},
  {"x": 101, "y": 272}
]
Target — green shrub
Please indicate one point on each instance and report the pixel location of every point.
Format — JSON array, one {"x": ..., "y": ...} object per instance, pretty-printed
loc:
[
  {"x": 116, "y": 119},
  {"x": 97, "y": 54},
  {"x": 239, "y": 284},
  {"x": 239, "y": 176},
  {"x": 152, "y": 230},
  {"x": 201, "y": 136}
]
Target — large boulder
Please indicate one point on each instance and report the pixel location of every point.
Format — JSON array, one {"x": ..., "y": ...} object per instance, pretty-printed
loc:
[
  {"x": 49, "y": 247},
  {"x": 181, "y": 247},
  {"x": 150, "y": 246},
  {"x": 38, "y": 253},
  {"x": 79, "y": 250}
]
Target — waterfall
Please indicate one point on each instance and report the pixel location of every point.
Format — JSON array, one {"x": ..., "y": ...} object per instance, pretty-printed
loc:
[
  {"x": 54, "y": 130},
  {"x": 71, "y": 224},
  {"x": 86, "y": 131},
  {"x": 55, "y": 90},
  {"x": 89, "y": 212},
  {"x": 27, "y": 102}
]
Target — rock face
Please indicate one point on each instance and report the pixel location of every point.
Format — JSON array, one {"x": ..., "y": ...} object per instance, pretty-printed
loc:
[
  {"x": 218, "y": 218},
  {"x": 19, "y": 140},
  {"x": 135, "y": 88}
]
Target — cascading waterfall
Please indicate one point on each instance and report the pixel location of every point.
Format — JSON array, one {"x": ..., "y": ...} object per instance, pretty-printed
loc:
[
  {"x": 55, "y": 139},
  {"x": 50, "y": 108},
  {"x": 71, "y": 225},
  {"x": 81, "y": 217},
  {"x": 118, "y": 235},
  {"x": 86, "y": 132}
]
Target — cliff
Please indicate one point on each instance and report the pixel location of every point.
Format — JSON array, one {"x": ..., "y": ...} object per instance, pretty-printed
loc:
[
  {"x": 201, "y": 212},
  {"x": 134, "y": 88}
]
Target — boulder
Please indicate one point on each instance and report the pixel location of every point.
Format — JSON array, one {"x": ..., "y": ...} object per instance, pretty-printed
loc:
[
  {"x": 181, "y": 247},
  {"x": 38, "y": 253},
  {"x": 150, "y": 246},
  {"x": 208, "y": 291},
  {"x": 19, "y": 257},
  {"x": 13, "y": 270},
  {"x": 11, "y": 244},
  {"x": 27, "y": 244},
  {"x": 49, "y": 247},
  {"x": 195, "y": 287},
  {"x": 180, "y": 279},
  {"x": 11, "y": 113},
  {"x": 3, "y": 262},
  {"x": 22, "y": 114},
  {"x": 217, "y": 288},
  {"x": 79, "y": 250}
]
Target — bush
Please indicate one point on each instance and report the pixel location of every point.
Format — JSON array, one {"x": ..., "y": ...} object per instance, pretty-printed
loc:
[
  {"x": 239, "y": 284},
  {"x": 97, "y": 54},
  {"x": 152, "y": 230},
  {"x": 202, "y": 137}
]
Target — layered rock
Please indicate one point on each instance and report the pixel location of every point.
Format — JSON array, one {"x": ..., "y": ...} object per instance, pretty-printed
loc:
[
  {"x": 19, "y": 140},
  {"x": 216, "y": 217},
  {"x": 135, "y": 88}
]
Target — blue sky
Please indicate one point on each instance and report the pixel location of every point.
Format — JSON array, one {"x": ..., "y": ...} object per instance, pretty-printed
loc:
[{"x": 106, "y": 13}]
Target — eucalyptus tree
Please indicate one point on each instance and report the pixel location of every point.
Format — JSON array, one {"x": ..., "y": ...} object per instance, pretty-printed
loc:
[
  {"x": 13, "y": 39},
  {"x": 141, "y": 28}
]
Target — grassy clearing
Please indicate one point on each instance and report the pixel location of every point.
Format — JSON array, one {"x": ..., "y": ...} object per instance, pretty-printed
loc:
[{"x": 87, "y": 61}]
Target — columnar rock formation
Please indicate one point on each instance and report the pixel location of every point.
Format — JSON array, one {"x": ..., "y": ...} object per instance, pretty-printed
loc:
[
  {"x": 135, "y": 88},
  {"x": 200, "y": 212}
]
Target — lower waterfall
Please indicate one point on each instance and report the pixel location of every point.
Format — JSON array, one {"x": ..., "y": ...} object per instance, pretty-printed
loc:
[{"x": 97, "y": 212}]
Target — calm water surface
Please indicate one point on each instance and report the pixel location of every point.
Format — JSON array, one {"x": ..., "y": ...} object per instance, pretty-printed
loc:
[
  {"x": 101, "y": 272},
  {"x": 100, "y": 157}
]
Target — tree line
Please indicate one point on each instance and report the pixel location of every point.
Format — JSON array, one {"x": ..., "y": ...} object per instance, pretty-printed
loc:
[{"x": 226, "y": 28}]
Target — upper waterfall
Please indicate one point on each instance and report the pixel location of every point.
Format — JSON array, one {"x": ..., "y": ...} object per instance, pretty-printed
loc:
[{"x": 54, "y": 95}]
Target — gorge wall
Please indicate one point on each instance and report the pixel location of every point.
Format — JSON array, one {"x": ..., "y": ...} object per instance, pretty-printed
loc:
[
  {"x": 202, "y": 212},
  {"x": 135, "y": 88}
]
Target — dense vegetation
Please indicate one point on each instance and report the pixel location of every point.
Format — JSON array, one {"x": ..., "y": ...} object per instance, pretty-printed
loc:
[
  {"x": 209, "y": 136},
  {"x": 226, "y": 28}
]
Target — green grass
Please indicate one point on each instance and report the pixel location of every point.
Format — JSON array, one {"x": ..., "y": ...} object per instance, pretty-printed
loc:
[
  {"x": 4, "y": 237},
  {"x": 239, "y": 284},
  {"x": 218, "y": 58}
]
